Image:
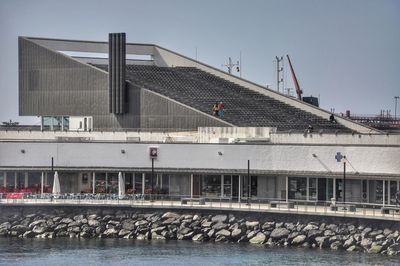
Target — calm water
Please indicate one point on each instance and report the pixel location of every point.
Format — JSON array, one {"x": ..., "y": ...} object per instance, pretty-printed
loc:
[{"x": 130, "y": 252}]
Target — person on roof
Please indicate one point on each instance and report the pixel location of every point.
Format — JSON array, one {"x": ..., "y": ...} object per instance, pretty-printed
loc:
[
  {"x": 332, "y": 119},
  {"x": 221, "y": 109},
  {"x": 310, "y": 129},
  {"x": 215, "y": 109}
]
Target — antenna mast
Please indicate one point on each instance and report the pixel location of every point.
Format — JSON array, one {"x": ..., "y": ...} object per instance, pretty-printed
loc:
[{"x": 279, "y": 73}]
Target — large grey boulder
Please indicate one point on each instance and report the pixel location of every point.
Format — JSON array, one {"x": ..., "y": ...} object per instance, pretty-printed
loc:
[
  {"x": 353, "y": 248},
  {"x": 336, "y": 245},
  {"x": 75, "y": 223},
  {"x": 112, "y": 232},
  {"x": 156, "y": 236},
  {"x": 5, "y": 225},
  {"x": 79, "y": 217},
  {"x": 237, "y": 233},
  {"x": 60, "y": 227},
  {"x": 28, "y": 234},
  {"x": 74, "y": 229},
  {"x": 298, "y": 240},
  {"x": 219, "y": 218},
  {"x": 349, "y": 242},
  {"x": 198, "y": 238},
  {"x": 94, "y": 223},
  {"x": 366, "y": 243},
  {"x": 322, "y": 241},
  {"x": 279, "y": 233},
  {"x": 310, "y": 227},
  {"x": 206, "y": 224},
  {"x": 292, "y": 235},
  {"x": 252, "y": 224},
  {"x": 211, "y": 233},
  {"x": 329, "y": 232},
  {"x": 332, "y": 227},
  {"x": 123, "y": 232},
  {"x": 312, "y": 234},
  {"x": 394, "y": 249},
  {"x": 34, "y": 223},
  {"x": 37, "y": 229},
  {"x": 66, "y": 220},
  {"x": 260, "y": 238},
  {"x": 374, "y": 233},
  {"x": 290, "y": 226},
  {"x": 366, "y": 232},
  {"x": 268, "y": 226},
  {"x": 223, "y": 232},
  {"x": 169, "y": 215},
  {"x": 375, "y": 249},
  {"x": 19, "y": 228},
  {"x": 220, "y": 225}
]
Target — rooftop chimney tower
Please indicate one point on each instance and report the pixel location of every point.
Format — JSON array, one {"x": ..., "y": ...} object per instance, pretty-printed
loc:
[{"x": 116, "y": 72}]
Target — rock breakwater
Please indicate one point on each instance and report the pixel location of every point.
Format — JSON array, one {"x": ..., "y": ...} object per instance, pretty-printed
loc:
[{"x": 196, "y": 227}]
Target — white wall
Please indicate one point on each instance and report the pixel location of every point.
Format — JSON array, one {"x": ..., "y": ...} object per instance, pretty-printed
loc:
[{"x": 281, "y": 159}]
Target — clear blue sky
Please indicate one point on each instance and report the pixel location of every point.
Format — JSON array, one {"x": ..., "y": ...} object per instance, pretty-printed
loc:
[{"x": 346, "y": 51}]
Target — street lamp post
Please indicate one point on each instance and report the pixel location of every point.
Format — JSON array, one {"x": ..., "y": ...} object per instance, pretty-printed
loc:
[
  {"x": 339, "y": 158},
  {"x": 248, "y": 182}
]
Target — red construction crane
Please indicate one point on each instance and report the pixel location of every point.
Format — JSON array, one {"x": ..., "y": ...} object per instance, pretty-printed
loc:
[{"x": 299, "y": 92}]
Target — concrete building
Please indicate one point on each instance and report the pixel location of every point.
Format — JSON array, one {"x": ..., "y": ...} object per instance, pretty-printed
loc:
[{"x": 103, "y": 115}]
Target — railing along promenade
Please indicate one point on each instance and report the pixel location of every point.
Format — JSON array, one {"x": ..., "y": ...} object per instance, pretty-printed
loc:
[{"x": 323, "y": 208}]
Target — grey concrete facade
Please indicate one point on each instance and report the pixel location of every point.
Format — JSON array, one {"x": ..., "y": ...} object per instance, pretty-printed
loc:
[{"x": 53, "y": 84}]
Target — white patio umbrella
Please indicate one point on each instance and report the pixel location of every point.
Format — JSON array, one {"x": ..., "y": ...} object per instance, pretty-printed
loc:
[
  {"x": 121, "y": 186},
  {"x": 56, "y": 185}
]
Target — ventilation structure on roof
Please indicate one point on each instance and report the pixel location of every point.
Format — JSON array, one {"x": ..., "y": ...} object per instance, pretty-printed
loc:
[{"x": 116, "y": 72}]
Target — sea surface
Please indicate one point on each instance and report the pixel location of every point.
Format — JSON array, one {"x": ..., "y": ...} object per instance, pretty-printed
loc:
[{"x": 74, "y": 252}]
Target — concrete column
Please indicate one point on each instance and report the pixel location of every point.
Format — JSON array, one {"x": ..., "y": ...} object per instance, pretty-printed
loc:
[
  {"x": 15, "y": 179},
  {"x": 94, "y": 183},
  {"x": 334, "y": 188},
  {"x": 222, "y": 186},
  {"x": 308, "y": 189},
  {"x": 240, "y": 188},
  {"x": 106, "y": 182},
  {"x": 287, "y": 188},
  {"x": 5, "y": 179},
  {"x": 383, "y": 192},
  {"x": 133, "y": 183},
  {"x": 388, "y": 201},
  {"x": 143, "y": 180},
  {"x": 41, "y": 182},
  {"x": 191, "y": 185},
  {"x": 26, "y": 179}
]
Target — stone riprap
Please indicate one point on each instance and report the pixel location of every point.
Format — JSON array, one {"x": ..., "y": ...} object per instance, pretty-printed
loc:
[{"x": 196, "y": 227}]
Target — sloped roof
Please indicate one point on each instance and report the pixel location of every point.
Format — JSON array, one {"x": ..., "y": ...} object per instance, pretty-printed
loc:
[{"x": 243, "y": 107}]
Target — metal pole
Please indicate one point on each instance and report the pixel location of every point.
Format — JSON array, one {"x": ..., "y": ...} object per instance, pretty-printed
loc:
[
  {"x": 52, "y": 164},
  {"x": 152, "y": 176},
  {"x": 240, "y": 63},
  {"x": 277, "y": 73},
  {"x": 344, "y": 181},
  {"x": 248, "y": 182},
  {"x": 395, "y": 106}
]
